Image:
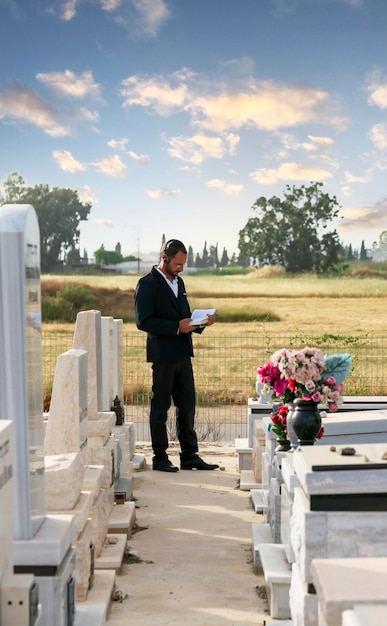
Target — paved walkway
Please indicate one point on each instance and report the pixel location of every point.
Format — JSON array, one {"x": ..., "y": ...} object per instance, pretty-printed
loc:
[{"x": 189, "y": 560}]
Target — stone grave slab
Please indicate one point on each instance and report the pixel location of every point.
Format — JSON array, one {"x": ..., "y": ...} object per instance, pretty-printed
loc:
[
  {"x": 342, "y": 583},
  {"x": 337, "y": 482},
  {"x": 365, "y": 615}
]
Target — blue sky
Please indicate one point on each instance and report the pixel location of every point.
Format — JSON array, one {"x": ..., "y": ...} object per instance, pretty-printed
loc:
[{"x": 173, "y": 116}]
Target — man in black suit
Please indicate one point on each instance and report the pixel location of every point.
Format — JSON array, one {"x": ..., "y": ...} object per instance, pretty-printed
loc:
[{"x": 163, "y": 312}]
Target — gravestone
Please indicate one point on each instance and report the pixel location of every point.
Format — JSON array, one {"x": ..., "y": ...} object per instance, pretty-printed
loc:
[
  {"x": 87, "y": 336},
  {"x": 6, "y": 495},
  {"x": 21, "y": 388},
  {"x": 42, "y": 543},
  {"x": 107, "y": 344},
  {"x": 66, "y": 429},
  {"x": 118, "y": 385}
]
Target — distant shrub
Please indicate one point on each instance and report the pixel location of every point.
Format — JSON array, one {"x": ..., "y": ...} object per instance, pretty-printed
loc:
[
  {"x": 64, "y": 306},
  {"x": 369, "y": 272}
]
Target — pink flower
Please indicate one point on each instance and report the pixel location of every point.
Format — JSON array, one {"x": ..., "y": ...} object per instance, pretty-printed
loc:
[
  {"x": 268, "y": 373},
  {"x": 330, "y": 381},
  {"x": 280, "y": 386},
  {"x": 332, "y": 407},
  {"x": 316, "y": 397},
  {"x": 339, "y": 387}
]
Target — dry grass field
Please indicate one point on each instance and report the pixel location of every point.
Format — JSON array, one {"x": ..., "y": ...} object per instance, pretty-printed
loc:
[
  {"x": 272, "y": 304},
  {"x": 257, "y": 313}
]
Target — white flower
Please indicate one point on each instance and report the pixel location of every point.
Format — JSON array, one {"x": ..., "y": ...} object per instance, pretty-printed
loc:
[{"x": 310, "y": 386}]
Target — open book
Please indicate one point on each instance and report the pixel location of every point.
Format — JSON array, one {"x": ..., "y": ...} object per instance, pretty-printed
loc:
[{"x": 200, "y": 316}]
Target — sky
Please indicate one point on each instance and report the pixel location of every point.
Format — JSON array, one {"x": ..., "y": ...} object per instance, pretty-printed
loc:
[{"x": 172, "y": 117}]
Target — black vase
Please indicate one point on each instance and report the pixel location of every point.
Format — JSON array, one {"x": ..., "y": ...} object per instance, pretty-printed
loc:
[
  {"x": 305, "y": 421},
  {"x": 284, "y": 445}
]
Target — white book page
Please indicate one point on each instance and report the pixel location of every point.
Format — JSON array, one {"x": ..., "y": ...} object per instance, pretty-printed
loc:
[{"x": 200, "y": 316}]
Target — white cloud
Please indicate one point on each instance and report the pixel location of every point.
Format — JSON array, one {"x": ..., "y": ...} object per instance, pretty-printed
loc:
[
  {"x": 24, "y": 104},
  {"x": 378, "y": 135},
  {"x": 139, "y": 158},
  {"x": 118, "y": 144},
  {"x": 289, "y": 171},
  {"x": 146, "y": 16},
  {"x": 66, "y": 162},
  {"x": 101, "y": 222},
  {"x": 350, "y": 178},
  {"x": 87, "y": 115},
  {"x": 199, "y": 147},
  {"x": 152, "y": 13},
  {"x": 265, "y": 105},
  {"x": 110, "y": 5},
  {"x": 228, "y": 188},
  {"x": 156, "y": 194},
  {"x": 86, "y": 194},
  {"x": 71, "y": 84},
  {"x": 69, "y": 9},
  {"x": 111, "y": 166},
  {"x": 346, "y": 191},
  {"x": 377, "y": 89},
  {"x": 320, "y": 144},
  {"x": 374, "y": 216},
  {"x": 160, "y": 94}
]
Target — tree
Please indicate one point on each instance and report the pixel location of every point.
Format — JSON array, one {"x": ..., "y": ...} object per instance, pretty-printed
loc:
[
  {"x": 190, "y": 259},
  {"x": 293, "y": 232},
  {"x": 108, "y": 257},
  {"x": 363, "y": 252},
  {"x": 59, "y": 212},
  {"x": 204, "y": 262},
  {"x": 224, "y": 260}
]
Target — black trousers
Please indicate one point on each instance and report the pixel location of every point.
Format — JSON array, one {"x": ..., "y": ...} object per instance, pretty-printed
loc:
[{"x": 173, "y": 380}]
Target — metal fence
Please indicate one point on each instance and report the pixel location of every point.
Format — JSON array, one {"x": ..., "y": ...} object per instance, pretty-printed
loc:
[{"x": 225, "y": 374}]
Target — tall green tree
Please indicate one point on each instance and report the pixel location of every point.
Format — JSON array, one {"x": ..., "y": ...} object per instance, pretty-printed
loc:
[
  {"x": 363, "y": 251},
  {"x": 224, "y": 260},
  {"x": 108, "y": 257},
  {"x": 190, "y": 259},
  {"x": 59, "y": 212},
  {"x": 294, "y": 231}
]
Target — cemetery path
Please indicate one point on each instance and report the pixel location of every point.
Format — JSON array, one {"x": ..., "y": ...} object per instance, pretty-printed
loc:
[{"x": 189, "y": 560}]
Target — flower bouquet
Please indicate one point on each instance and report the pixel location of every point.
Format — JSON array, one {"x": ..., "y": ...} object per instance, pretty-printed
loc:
[{"x": 307, "y": 374}]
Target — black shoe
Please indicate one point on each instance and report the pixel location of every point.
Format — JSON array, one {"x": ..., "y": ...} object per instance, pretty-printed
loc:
[
  {"x": 195, "y": 462},
  {"x": 164, "y": 465}
]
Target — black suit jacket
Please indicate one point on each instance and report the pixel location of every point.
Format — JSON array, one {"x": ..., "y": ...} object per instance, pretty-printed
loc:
[{"x": 158, "y": 313}]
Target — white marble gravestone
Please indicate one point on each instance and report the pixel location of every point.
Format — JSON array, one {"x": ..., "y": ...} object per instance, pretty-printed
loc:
[
  {"x": 107, "y": 346},
  {"x": 21, "y": 388},
  {"x": 6, "y": 496},
  {"x": 118, "y": 385},
  {"x": 67, "y": 421},
  {"x": 87, "y": 336}
]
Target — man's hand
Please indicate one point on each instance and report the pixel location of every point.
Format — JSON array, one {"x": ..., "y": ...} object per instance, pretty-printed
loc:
[
  {"x": 211, "y": 319},
  {"x": 185, "y": 325}
]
